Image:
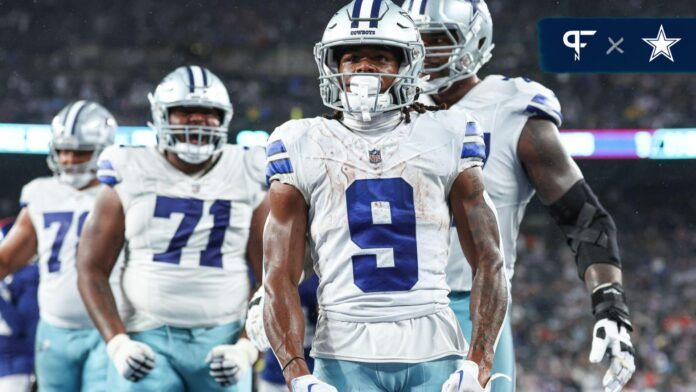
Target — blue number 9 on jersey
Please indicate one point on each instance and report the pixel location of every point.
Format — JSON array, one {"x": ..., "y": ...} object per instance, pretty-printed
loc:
[{"x": 381, "y": 215}]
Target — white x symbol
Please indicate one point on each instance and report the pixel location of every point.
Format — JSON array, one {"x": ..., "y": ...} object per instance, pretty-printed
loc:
[{"x": 615, "y": 45}]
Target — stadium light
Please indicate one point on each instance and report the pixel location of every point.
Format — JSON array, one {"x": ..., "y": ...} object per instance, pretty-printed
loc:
[{"x": 674, "y": 143}]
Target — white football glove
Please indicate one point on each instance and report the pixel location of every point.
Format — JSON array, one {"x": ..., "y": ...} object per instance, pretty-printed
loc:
[
  {"x": 254, "y": 322},
  {"x": 608, "y": 336},
  {"x": 466, "y": 379},
  {"x": 133, "y": 360},
  {"x": 228, "y": 362},
  {"x": 309, "y": 382}
]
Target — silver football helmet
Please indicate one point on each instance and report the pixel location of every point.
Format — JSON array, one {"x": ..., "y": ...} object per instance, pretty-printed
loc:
[
  {"x": 80, "y": 126},
  {"x": 190, "y": 86},
  {"x": 469, "y": 28},
  {"x": 369, "y": 22}
]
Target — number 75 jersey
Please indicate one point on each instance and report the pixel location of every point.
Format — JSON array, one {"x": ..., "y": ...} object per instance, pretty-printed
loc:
[
  {"x": 58, "y": 213},
  {"x": 379, "y": 214},
  {"x": 186, "y": 235}
]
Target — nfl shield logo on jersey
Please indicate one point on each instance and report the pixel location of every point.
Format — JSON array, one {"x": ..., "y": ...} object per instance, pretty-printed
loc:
[{"x": 375, "y": 156}]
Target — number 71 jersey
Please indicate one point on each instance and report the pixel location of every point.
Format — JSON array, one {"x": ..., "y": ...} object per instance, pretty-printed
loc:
[
  {"x": 378, "y": 209},
  {"x": 186, "y": 235}
]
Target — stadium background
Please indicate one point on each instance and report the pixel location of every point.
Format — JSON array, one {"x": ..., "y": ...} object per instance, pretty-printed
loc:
[{"x": 56, "y": 51}]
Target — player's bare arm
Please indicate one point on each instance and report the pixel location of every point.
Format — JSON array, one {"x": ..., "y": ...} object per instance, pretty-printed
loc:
[
  {"x": 255, "y": 242},
  {"x": 19, "y": 247},
  {"x": 284, "y": 250},
  {"x": 477, "y": 228},
  {"x": 591, "y": 234},
  {"x": 553, "y": 173},
  {"x": 101, "y": 242}
]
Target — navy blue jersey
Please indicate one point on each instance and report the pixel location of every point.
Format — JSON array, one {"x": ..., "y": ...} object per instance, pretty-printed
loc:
[{"x": 19, "y": 314}]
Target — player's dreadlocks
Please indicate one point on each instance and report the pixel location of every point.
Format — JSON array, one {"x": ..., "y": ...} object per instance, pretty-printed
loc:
[
  {"x": 414, "y": 107},
  {"x": 420, "y": 108}
]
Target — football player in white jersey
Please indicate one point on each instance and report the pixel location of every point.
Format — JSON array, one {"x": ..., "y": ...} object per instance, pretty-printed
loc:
[
  {"x": 521, "y": 120},
  {"x": 190, "y": 212},
  {"x": 374, "y": 188},
  {"x": 69, "y": 352}
]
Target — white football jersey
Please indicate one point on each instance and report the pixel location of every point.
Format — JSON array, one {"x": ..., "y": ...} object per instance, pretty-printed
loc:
[
  {"x": 186, "y": 235},
  {"x": 503, "y": 105},
  {"x": 58, "y": 212},
  {"x": 379, "y": 222}
]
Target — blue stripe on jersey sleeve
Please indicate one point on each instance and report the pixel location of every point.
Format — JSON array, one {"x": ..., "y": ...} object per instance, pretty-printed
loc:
[
  {"x": 474, "y": 150},
  {"x": 275, "y": 148},
  {"x": 554, "y": 116},
  {"x": 108, "y": 180},
  {"x": 544, "y": 107},
  {"x": 540, "y": 99},
  {"x": 281, "y": 166},
  {"x": 105, "y": 165},
  {"x": 472, "y": 129}
]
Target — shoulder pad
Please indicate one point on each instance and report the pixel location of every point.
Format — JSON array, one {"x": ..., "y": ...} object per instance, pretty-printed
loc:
[
  {"x": 293, "y": 130},
  {"x": 283, "y": 143},
  {"x": 255, "y": 161},
  {"x": 33, "y": 188},
  {"x": 538, "y": 101},
  {"x": 110, "y": 164},
  {"x": 456, "y": 122}
]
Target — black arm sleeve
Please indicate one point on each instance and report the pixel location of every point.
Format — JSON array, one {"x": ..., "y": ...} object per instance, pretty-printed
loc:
[{"x": 589, "y": 229}]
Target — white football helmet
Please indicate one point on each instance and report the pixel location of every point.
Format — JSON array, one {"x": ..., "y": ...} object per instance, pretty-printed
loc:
[
  {"x": 80, "y": 126},
  {"x": 369, "y": 22},
  {"x": 190, "y": 86},
  {"x": 469, "y": 27}
]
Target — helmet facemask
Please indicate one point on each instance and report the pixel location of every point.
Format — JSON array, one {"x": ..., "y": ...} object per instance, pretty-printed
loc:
[
  {"x": 462, "y": 61},
  {"x": 190, "y": 87},
  {"x": 193, "y": 144},
  {"x": 366, "y": 97},
  {"x": 468, "y": 29},
  {"x": 77, "y": 175}
]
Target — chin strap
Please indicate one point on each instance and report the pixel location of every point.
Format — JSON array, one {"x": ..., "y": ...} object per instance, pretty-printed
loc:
[
  {"x": 77, "y": 181},
  {"x": 192, "y": 153},
  {"x": 363, "y": 92},
  {"x": 364, "y": 95}
]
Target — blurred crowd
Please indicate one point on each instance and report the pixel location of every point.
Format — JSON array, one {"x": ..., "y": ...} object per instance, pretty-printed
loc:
[
  {"x": 55, "y": 51},
  {"x": 551, "y": 308}
]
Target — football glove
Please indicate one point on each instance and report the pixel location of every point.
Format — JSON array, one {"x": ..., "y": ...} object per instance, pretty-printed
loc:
[
  {"x": 254, "y": 322},
  {"x": 228, "y": 362},
  {"x": 610, "y": 337},
  {"x": 310, "y": 383},
  {"x": 133, "y": 360},
  {"x": 466, "y": 379}
]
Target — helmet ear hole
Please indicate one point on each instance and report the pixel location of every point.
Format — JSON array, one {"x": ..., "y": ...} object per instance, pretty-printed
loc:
[{"x": 482, "y": 42}]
